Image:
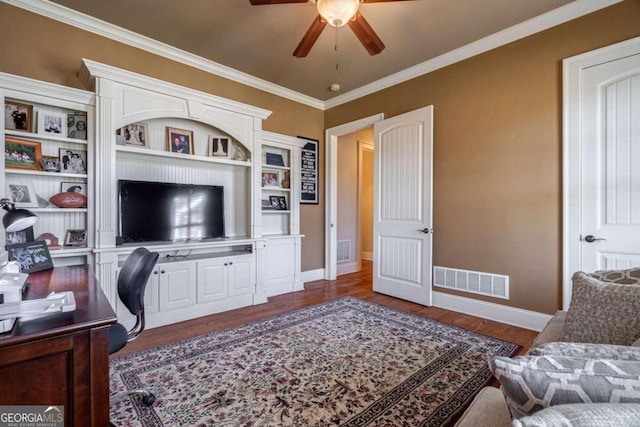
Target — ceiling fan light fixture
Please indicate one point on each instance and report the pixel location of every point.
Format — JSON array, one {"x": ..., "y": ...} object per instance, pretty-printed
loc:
[{"x": 337, "y": 12}]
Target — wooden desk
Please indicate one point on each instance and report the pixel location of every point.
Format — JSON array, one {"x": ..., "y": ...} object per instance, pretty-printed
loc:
[{"x": 62, "y": 358}]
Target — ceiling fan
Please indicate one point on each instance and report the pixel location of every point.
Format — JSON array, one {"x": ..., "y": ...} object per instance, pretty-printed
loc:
[{"x": 336, "y": 13}]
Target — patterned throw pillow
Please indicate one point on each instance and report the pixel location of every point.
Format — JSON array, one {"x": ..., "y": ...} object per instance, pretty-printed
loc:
[
  {"x": 584, "y": 415},
  {"x": 602, "y": 312},
  {"x": 587, "y": 351},
  {"x": 623, "y": 277},
  {"x": 532, "y": 383}
]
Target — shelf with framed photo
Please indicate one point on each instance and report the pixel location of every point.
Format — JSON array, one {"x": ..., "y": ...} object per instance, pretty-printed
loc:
[{"x": 51, "y": 122}]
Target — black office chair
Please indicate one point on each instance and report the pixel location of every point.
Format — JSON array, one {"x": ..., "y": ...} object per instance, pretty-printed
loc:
[{"x": 132, "y": 282}]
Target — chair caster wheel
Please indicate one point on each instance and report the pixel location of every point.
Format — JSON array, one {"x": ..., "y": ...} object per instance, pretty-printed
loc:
[{"x": 149, "y": 399}]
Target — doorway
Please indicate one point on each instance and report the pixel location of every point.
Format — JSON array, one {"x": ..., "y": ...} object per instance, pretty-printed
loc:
[
  {"x": 331, "y": 185},
  {"x": 354, "y": 200}
]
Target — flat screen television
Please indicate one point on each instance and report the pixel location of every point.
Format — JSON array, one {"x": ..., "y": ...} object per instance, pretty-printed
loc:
[{"x": 162, "y": 211}]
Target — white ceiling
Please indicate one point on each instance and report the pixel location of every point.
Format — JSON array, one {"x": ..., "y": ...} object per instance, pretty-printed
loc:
[{"x": 258, "y": 41}]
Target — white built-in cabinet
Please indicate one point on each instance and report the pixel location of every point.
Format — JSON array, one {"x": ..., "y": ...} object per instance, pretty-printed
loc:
[
  {"x": 260, "y": 256},
  {"x": 40, "y": 100}
]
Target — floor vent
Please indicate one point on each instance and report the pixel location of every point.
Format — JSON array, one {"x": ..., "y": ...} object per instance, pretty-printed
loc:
[
  {"x": 493, "y": 285},
  {"x": 344, "y": 250}
]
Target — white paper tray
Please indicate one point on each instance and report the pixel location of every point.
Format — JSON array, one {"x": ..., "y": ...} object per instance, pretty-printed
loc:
[{"x": 53, "y": 303}]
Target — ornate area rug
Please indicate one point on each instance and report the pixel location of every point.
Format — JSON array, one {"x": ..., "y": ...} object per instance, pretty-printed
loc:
[{"x": 346, "y": 362}]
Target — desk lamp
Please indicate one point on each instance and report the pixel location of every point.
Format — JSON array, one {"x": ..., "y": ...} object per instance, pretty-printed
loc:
[{"x": 16, "y": 219}]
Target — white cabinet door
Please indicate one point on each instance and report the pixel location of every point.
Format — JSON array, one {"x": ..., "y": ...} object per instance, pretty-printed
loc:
[
  {"x": 212, "y": 280},
  {"x": 278, "y": 266},
  {"x": 241, "y": 273},
  {"x": 177, "y": 284}
]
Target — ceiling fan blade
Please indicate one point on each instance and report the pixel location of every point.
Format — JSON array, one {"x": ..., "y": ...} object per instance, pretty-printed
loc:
[
  {"x": 366, "y": 35},
  {"x": 310, "y": 37},
  {"x": 263, "y": 2}
]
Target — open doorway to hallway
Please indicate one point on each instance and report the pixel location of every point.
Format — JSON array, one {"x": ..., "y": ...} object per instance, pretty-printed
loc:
[{"x": 354, "y": 200}]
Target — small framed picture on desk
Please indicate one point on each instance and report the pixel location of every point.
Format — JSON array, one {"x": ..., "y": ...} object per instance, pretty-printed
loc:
[{"x": 32, "y": 256}]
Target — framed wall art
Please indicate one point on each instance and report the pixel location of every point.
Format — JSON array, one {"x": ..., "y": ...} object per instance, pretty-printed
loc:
[
  {"x": 52, "y": 123},
  {"x": 179, "y": 141},
  {"x": 22, "y": 194},
  {"x": 77, "y": 238},
  {"x": 22, "y": 236},
  {"x": 270, "y": 179},
  {"x": 74, "y": 187},
  {"x": 18, "y": 116},
  {"x": 77, "y": 125},
  {"x": 219, "y": 146},
  {"x": 32, "y": 256},
  {"x": 50, "y": 163},
  {"x": 134, "y": 135},
  {"x": 309, "y": 171},
  {"x": 22, "y": 154},
  {"x": 73, "y": 161}
]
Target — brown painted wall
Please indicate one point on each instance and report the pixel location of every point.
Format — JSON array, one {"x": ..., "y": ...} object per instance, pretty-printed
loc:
[
  {"x": 48, "y": 50},
  {"x": 498, "y": 152}
]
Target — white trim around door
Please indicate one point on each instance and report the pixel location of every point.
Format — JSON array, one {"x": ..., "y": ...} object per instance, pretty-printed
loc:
[{"x": 331, "y": 186}]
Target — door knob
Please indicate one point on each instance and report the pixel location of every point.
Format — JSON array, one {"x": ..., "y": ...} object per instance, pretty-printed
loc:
[
  {"x": 590, "y": 238},
  {"x": 424, "y": 230}
]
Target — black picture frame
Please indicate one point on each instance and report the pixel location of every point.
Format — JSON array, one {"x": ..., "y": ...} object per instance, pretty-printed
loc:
[
  {"x": 275, "y": 159},
  {"x": 32, "y": 256},
  {"x": 275, "y": 203},
  {"x": 22, "y": 236},
  {"x": 282, "y": 201},
  {"x": 309, "y": 191}
]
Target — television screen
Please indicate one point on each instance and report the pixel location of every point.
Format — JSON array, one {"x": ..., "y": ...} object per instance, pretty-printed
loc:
[{"x": 160, "y": 211}]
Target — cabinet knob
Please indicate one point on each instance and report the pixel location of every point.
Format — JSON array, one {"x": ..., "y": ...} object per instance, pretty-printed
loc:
[
  {"x": 231, "y": 263},
  {"x": 225, "y": 264},
  {"x": 162, "y": 271},
  {"x": 155, "y": 272}
]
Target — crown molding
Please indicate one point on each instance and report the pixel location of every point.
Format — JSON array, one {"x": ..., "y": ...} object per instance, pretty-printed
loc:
[
  {"x": 535, "y": 25},
  {"x": 10, "y": 82},
  {"x": 88, "y": 23},
  {"x": 545, "y": 21}
]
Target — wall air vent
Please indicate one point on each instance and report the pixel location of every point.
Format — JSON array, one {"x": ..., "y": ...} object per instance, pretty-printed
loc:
[
  {"x": 344, "y": 250},
  {"x": 493, "y": 285}
]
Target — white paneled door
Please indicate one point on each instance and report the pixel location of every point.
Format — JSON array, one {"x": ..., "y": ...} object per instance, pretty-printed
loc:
[
  {"x": 610, "y": 165},
  {"x": 603, "y": 185},
  {"x": 402, "y": 206}
]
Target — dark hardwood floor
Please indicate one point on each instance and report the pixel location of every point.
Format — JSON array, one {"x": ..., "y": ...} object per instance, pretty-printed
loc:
[{"x": 356, "y": 284}]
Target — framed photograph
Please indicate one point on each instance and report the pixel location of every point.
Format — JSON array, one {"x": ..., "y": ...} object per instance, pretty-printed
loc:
[
  {"x": 270, "y": 179},
  {"x": 77, "y": 125},
  {"x": 282, "y": 201},
  {"x": 22, "y": 194},
  {"x": 50, "y": 163},
  {"x": 73, "y": 161},
  {"x": 22, "y": 236},
  {"x": 275, "y": 203},
  {"x": 76, "y": 238},
  {"x": 219, "y": 147},
  {"x": 74, "y": 187},
  {"x": 18, "y": 116},
  {"x": 135, "y": 135},
  {"x": 275, "y": 159},
  {"x": 266, "y": 205},
  {"x": 179, "y": 141},
  {"x": 52, "y": 123},
  {"x": 22, "y": 154},
  {"x": 32, "y": 256}
]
